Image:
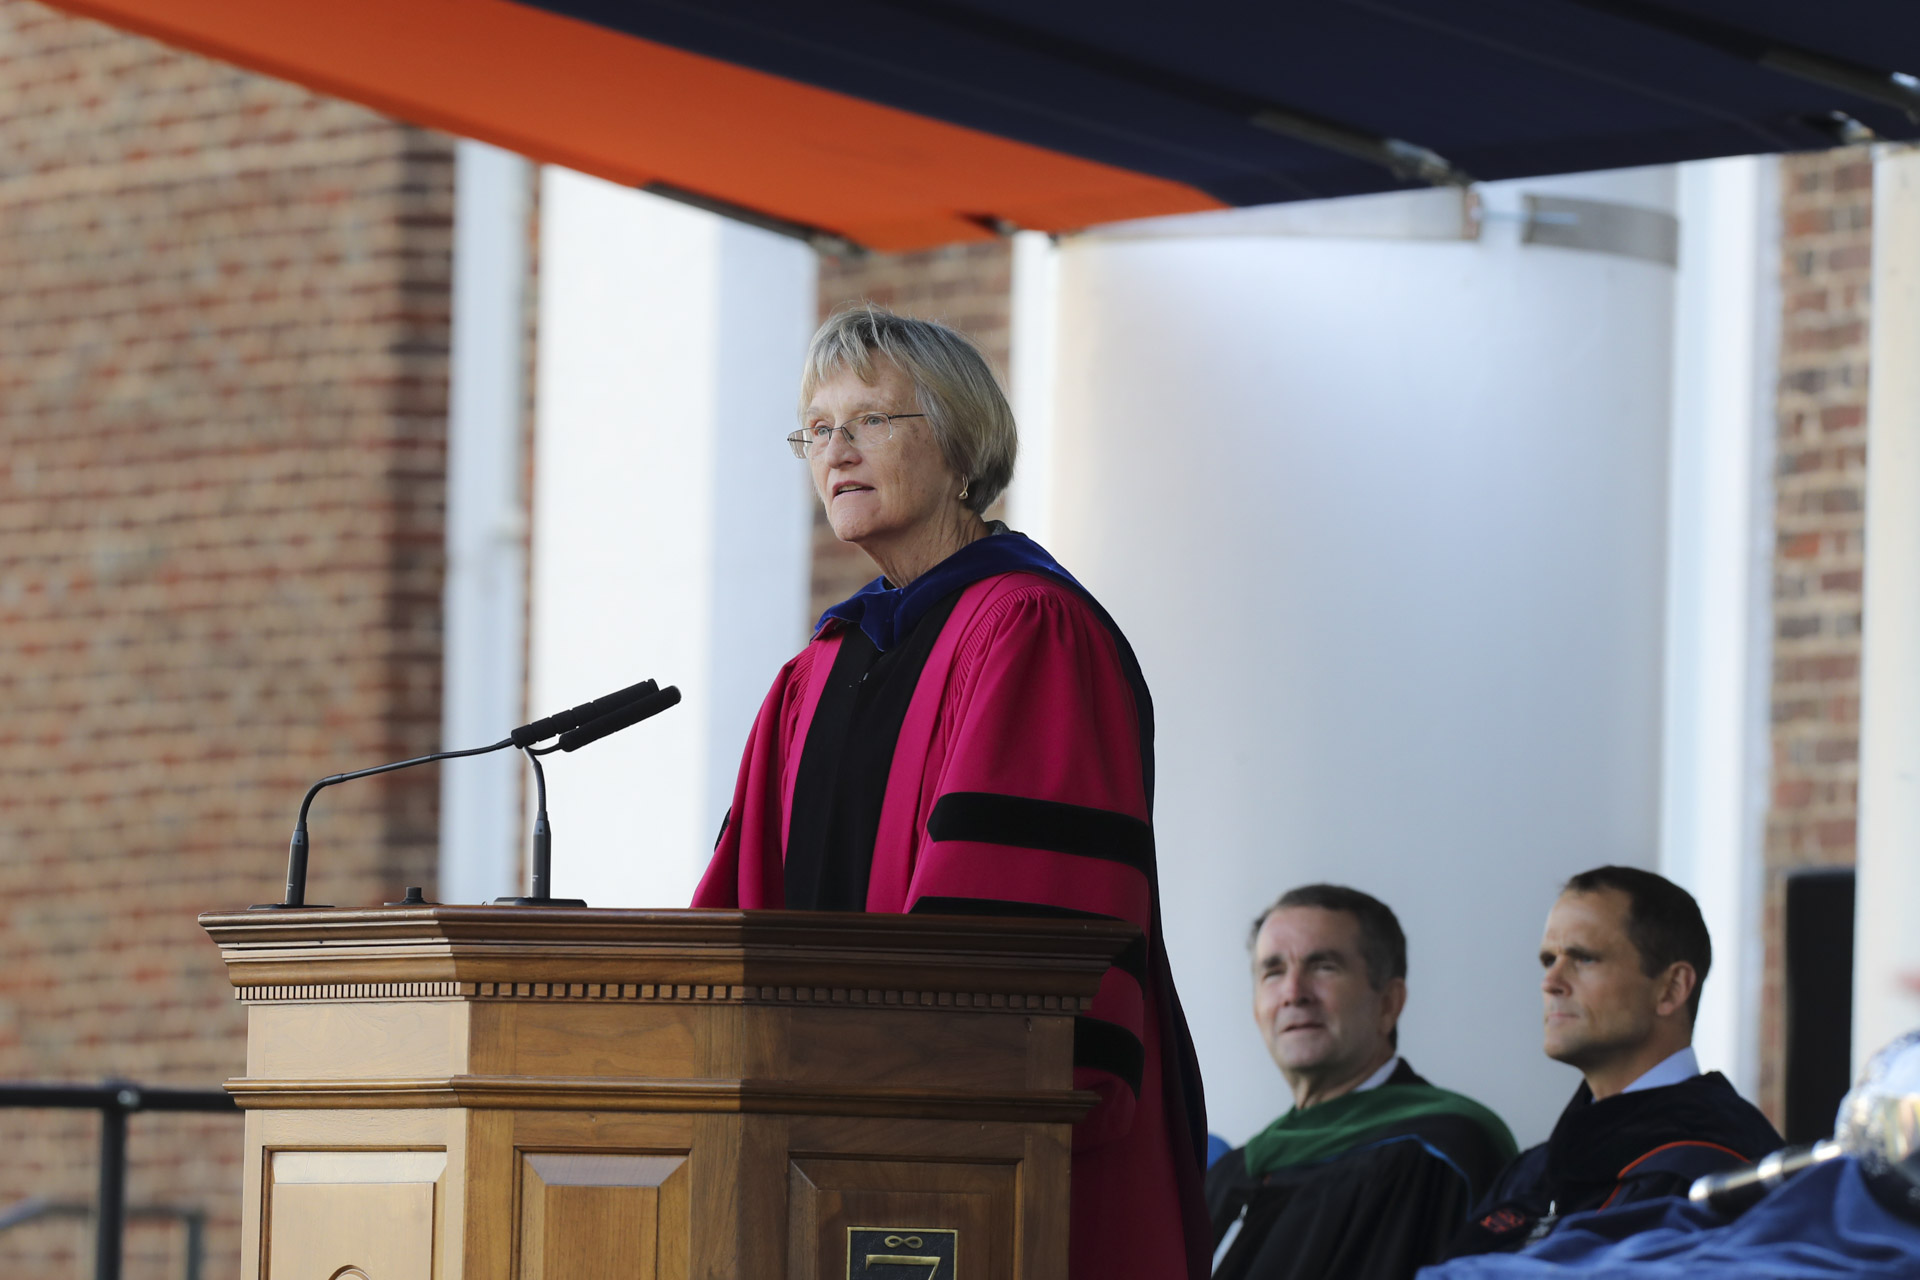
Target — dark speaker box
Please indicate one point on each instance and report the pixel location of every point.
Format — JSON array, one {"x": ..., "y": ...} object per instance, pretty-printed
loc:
[{"x": 1819, "y": 999}]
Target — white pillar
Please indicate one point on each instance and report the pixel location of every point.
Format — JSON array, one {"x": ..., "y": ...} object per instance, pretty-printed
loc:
[
  {"x": 1715, "y": 768},
  {"x": 1385, "y": 521},
  {"x": 1886, "y": 956},
  {"x": 670, "y": 522},
  {"x": 483, "y": 685},
  {"x": 1034, "y": 325}
]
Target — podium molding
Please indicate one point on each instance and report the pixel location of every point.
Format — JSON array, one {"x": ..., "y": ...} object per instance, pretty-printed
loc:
[{"x": 506, "y": 1093}]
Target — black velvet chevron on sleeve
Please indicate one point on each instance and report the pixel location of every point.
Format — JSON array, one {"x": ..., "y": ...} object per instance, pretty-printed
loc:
[
  {"x": 1109, "y": 1047},
  {"x": 1132, "y": 960},
  {"x": 988, "y": 818}
]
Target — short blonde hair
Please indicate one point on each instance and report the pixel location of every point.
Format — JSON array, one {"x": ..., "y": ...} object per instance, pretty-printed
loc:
[{"x": 952, "y": 382}]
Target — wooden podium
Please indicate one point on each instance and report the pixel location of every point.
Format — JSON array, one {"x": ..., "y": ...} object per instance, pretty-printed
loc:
[{"x": 504, "y": 1093}]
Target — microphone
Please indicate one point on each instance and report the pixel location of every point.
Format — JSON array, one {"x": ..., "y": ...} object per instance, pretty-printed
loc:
[
  {"x": 297, "y": 847},
  {"x": 1732, "y": 1193},
  {"x": 636, "y": 709},
  {"x": 588, "y": 713},
  {"x": 540, "y": 730},
  {"x": 626, "y": 717}
]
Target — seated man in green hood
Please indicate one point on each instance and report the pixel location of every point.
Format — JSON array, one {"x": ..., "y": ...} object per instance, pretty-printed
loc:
[{"x": 1373, "y": 1171}]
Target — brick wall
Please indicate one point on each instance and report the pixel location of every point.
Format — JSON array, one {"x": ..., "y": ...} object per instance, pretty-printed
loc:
[
  {"x": 1827, "y": 214},
  {"x": 966, "y": 286},
  {"x": 223, "y": 341}
]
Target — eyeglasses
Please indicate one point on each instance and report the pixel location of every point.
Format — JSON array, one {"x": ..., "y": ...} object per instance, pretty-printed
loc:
[{"x": 870, "y": 429}]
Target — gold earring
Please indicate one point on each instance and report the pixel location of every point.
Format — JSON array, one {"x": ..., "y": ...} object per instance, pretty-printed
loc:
[{"x": 963, "y": 495}]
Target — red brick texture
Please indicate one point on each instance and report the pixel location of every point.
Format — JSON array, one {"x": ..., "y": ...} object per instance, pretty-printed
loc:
[
  {"x": 223, "y": 337},
  {"x": 1819, "y": 515},
  {"x": 968, "y": 287}
]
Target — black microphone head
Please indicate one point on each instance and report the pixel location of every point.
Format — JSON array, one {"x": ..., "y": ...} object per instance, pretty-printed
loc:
[
  {"x": 561, "y": 721},
  {"x": 626, "y": 717}
]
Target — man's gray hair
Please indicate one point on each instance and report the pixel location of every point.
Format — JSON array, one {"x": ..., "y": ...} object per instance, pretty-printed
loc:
[
  {"x": 1383, "y": 945},
  {"x": 953, "y": 385}
]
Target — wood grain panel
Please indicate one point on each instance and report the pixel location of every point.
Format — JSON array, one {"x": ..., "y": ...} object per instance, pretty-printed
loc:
[
  {"x": 907, "y": 1048},
  {"x": 330, "y": 1212},
  {"x": 588, "y": 1216},
  {"x": 913, "y": 1139},
  {"x": 1045, "y": 1201},
  {"x": 1050, "y": 1053},
  {"x": 828, "y": 1196},
  {"x": 739, "y": 1197},
  {"x": 600, "y": 1131},
  {"x": 353, "y": 1130},
  {"x": 488, "y": 1224},
  {"x": 352, "y": 1040},
  {"x": 604, "y": 1040}
]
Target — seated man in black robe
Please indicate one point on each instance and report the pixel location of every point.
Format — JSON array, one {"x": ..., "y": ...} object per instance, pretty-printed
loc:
[
  {"x": 1625, "y": 952},
  {"x": 1372, "y": 1172}
]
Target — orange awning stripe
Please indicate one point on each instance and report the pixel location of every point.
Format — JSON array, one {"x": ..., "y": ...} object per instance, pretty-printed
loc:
[{"x": 636, "y": 112}]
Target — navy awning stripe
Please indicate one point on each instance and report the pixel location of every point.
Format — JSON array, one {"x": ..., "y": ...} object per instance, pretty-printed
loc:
[{"x": 1498, "y": 88}]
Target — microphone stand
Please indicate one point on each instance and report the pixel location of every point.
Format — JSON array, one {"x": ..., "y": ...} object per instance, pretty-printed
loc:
[
  {"x": 588, "y": 722},
  {"x": 621, "y": 717},
  {"x": 296, "y": 899},
  {"x": 542, "y": 869}
]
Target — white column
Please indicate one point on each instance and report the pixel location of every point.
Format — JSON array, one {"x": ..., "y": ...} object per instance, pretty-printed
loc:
[
  {"x": 483, "y": 683},
  {"x": 1886, "y": 956},
  {"x": 1034, "y": 325},
  {"x": 1386, "y": 523},
  {"x": 670, "y": 523},
  {"x": 1715, "y": 768}
]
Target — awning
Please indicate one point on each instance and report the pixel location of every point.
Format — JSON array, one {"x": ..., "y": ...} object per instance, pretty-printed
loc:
[{"x": 905, "y": 124}]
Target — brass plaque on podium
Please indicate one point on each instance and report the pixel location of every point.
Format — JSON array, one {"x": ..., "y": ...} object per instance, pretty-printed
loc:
[{"x": 902, "y": 1253}]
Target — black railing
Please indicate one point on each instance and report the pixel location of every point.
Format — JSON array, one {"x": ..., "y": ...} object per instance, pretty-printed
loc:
[{"x": 115, "y": 1101}]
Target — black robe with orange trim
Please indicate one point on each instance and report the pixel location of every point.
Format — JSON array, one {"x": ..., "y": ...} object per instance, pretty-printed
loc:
[
  {"x": 995, "y": 758},
  {"x": 1630, "y": 1147}
]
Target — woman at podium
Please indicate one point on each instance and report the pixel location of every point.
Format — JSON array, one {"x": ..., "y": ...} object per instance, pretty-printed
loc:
[{"x": 970, "y": 734}]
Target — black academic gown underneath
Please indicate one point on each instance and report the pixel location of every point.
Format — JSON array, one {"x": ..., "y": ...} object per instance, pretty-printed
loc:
[
  {"x": 1383, "y": 1210},
  {"x": 1632, "y": 1146}
]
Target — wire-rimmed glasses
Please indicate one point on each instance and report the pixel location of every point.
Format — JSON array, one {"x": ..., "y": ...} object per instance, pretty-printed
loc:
[{"x": 871, "y": 428}]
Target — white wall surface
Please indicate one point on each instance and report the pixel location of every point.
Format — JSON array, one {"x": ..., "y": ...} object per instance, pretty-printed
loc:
[
  {"x": 1385, "y": 521},
  {"x": 1033, "y": 365},
  {"x": 669, "y": 521},
  {"x": 484, "y": 665},
  {"x": 1720, "y": 585}
]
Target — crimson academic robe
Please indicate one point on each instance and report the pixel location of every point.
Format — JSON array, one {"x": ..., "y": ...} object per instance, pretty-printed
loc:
[{"x": 1018, "y": 782}]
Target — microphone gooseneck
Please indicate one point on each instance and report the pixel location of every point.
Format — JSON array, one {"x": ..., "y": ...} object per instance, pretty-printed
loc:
[
  {"x": 540, "y": 867},
  {"x": 575, "y": 727},
  {"x": 635, "y": 709},
  {"x": 297, "y": 847},
  {"x": 542, "y": 836}
]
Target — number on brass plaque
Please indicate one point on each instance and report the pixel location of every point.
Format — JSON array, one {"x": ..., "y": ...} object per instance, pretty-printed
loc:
[{"x": 902, "y": 1253}]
